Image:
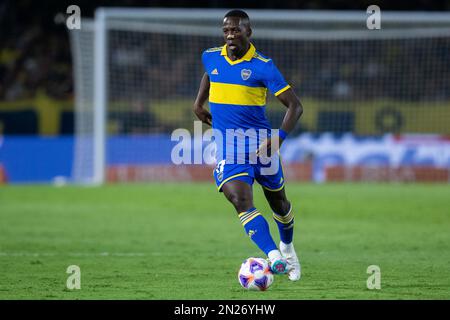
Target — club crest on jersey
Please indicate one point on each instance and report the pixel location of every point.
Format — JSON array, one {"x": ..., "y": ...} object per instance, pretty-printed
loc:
[{"x": 246, "y": 73}]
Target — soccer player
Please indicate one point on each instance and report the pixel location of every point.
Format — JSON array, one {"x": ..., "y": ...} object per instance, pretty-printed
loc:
[{"x": 236, "y": 81}]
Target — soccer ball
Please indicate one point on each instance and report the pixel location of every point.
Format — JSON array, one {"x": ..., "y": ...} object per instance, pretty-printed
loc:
[{"x": 255, "y": 274}]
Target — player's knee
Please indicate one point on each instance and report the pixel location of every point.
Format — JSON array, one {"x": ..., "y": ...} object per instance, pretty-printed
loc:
[
  {"x": 282, "y": 206},
  {"x": 242, "y": 202}
]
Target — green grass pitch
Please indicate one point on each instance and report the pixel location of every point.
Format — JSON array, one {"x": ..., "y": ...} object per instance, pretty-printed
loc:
[{"x": 184, "y": 241}]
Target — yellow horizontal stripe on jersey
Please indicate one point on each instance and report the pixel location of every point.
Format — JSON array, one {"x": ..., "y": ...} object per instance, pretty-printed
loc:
[{"x": 238, "y": 94}]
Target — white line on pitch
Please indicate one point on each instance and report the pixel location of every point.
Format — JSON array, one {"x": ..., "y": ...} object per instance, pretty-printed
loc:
[{"x": 77, "y": 254}]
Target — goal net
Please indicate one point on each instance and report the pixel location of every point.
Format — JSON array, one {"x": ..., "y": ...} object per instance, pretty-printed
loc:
[{"x": 376, "y": 102}]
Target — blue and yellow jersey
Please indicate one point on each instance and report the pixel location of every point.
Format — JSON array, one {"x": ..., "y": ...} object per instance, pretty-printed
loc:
[{"x": 238, "y": 89}]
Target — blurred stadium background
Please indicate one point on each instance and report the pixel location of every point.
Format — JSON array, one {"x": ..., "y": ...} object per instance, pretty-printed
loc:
[{"x": 377, "y": 102}]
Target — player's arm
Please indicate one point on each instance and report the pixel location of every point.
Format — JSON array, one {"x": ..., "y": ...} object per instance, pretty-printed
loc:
[
  {"x": 203, "y": 94},
  {"x": 294, "y": 111}
]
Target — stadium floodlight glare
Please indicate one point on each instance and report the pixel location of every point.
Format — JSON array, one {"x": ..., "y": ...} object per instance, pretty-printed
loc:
[{"x": 137, "y": 70}]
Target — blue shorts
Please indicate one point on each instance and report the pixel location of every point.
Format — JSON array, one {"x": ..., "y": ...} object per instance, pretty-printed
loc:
[{"x": 271, "y": 179}]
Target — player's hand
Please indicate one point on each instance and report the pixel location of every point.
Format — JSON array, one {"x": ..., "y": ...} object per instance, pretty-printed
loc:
[
  {"x": 203, "y": 115},
  {"x": 267, "y": 147}
]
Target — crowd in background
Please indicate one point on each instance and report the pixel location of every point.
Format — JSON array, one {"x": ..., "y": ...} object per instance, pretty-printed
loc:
[
  {"x": 35, "y": 57},
  {"x": 155, "y": 66}
]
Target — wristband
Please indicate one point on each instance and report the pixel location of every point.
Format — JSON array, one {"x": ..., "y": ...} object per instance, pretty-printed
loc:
[{"x": 282, "y": 134}]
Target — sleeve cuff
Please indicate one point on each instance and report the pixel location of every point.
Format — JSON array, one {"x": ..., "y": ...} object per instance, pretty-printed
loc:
[{"x": 282, "y": 90}]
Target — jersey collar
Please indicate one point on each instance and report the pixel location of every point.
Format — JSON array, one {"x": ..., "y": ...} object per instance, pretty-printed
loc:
[{"x": 247, "y": 56}]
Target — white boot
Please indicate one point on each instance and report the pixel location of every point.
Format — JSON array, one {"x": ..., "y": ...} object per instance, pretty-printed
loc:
[{"x": 294, "y": 268}]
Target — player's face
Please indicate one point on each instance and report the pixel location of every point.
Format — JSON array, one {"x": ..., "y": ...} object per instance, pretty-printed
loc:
[{"x": 235, "y": 33}]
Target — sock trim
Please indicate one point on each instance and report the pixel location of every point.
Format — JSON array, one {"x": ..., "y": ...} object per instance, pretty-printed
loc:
[
  {"x": 286, "y": 219},
  {"x": 246, "y": 217},
  {"x": 247, "y": 212},
  {"x": 250, "y": 219}
]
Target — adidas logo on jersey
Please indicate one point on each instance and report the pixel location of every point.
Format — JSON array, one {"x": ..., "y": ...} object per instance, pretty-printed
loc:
[{"x": 215, "y": 71}]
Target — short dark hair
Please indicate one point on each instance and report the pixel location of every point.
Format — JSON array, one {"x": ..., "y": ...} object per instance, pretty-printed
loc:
[{"x": 237, "y": 14}]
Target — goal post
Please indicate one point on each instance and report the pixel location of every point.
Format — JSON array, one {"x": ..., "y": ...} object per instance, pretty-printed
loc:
[
  {"x": 100, "y": 95},
  {"x": 136, "y": 73}
]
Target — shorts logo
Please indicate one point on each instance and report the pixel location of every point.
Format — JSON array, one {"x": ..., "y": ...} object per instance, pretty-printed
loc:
[{"x": 246, "y": 73}]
